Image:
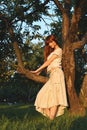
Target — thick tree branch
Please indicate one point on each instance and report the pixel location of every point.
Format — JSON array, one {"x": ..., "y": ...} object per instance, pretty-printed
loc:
[
  {"x": 65, "y": 15},
  {"x": 59, "y": 5},
  {"x": 29, "y": 75},
  {"x": 66, "y": 20},
  {"x": 21, "y": 68},
  {"x": 18, "y": 54},
  {"x": 79, "y": 44},
  {"x": 78, "y": 10},
  {"x": 24, "y": 71}
]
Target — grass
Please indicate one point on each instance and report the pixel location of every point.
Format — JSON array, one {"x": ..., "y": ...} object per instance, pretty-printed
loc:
[{"x": 24, "y": 117}]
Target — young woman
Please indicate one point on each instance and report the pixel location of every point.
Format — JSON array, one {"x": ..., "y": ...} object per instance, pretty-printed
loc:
[{"x": 51, "y": 99}]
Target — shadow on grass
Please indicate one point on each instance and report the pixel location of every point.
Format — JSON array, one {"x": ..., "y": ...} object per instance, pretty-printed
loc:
[
  {"x": 18, "y": 111},
  {"x": 79, "y": 124}
]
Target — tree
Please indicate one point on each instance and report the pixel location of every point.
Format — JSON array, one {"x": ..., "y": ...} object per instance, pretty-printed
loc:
[
  {"x": 14, "y": 16},
  {"x": 70, "y": 40},
  {"x": 70, "y": 43}
]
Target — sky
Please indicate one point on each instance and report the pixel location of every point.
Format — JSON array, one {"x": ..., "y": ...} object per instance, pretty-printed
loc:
[{"x": 45, "y": 22}]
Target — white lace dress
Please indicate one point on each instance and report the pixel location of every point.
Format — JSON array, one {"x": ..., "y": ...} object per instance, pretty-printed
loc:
[{"x": 53, "y": 93}]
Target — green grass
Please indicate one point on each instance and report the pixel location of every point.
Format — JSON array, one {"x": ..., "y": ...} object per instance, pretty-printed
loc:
[{"x": 24, "y": 117}]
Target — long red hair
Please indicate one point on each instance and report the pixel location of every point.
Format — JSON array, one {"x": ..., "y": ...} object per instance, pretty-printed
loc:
[{"x": 47, "y": 48}]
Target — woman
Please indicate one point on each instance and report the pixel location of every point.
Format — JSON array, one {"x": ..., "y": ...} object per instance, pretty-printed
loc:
[{"x": 51, "y": 99}]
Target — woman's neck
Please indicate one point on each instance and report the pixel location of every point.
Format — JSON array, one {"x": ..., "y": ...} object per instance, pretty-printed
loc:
[{"x": 56, "y": 47}]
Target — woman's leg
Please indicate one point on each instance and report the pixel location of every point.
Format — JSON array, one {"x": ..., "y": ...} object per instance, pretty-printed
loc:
[
  {"x": 53, "y": 111},
  {"x": 47, "y": 112}
]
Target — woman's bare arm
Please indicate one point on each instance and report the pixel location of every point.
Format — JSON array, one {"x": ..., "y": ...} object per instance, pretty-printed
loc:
[{"x": 45, "y": 64}]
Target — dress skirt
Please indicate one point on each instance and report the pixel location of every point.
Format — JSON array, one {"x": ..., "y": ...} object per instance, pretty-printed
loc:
[{"x": 53, "y": 93}]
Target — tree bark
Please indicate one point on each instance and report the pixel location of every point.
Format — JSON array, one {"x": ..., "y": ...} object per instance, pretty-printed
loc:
[
  {"x": 69, "y": 71},
  {"x": 83, "y": 92},
  {"x": 29, "y": 75},
  {"x": 68, "y": 59}
]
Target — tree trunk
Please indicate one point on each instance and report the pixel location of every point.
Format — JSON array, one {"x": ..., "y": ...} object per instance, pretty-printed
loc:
[
  {"x": 83, "y": 92},
  {"x": 68, "y": 60},
  {"x": 69, "y": 71}
]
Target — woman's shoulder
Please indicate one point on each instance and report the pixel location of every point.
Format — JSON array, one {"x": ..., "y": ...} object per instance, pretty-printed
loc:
[{"x": 58, "y": 50}]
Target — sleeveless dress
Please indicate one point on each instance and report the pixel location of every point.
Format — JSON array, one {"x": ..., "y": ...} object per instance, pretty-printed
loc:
[{"x": 53, "y": 93}]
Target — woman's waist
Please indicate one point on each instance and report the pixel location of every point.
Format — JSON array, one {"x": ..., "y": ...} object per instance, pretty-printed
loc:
[{"x": 51, "y": 69}]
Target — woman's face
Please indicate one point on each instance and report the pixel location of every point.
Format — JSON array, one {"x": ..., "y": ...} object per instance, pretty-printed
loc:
[{"x": 52, "y": 44}]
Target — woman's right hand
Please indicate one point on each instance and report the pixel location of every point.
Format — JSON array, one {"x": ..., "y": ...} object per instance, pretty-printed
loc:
[{"x": 35, "y": 72}]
